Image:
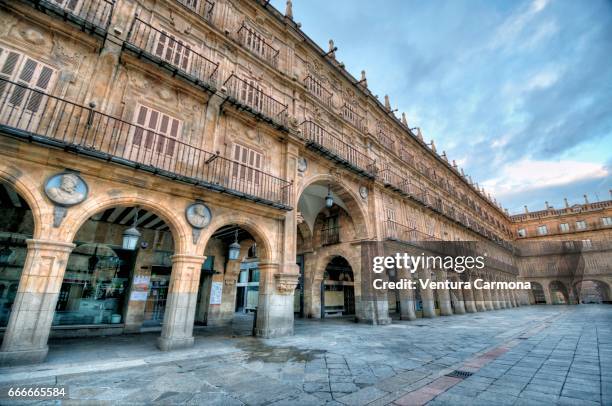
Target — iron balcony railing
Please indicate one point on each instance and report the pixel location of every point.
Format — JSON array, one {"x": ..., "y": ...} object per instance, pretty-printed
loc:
[
  {"x": 330, "y": 236},
  {"x": 392, "y": 230},
  {"x": 402, "y": 184},
  {"x": 257, "y": 44},
  {"x": 249, "y": 94},
  {"x": 91, "y": 15},
  {"x": 319, "y": 139},
  {"x": 173, "y": 54},
  {"x": 386, "y": 140},
  {"x": 316, "y": 88},
  {"x": 203, "y": 8},
  {"x": 349, "y": 114},
  {"x": 38, "y": 117}
]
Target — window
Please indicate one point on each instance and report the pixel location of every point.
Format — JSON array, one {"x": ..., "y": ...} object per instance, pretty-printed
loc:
[
  {"x": 564, "y": 227},
  {"x": 160, "y": 131},
  {"x": 606, "y": 221},
  {"x": 542, "y": 230},
  {"x": 581, "y": 225},
  {"x": 27, "y": 72},
  {"x": 251, "y": 93},
  {"x": 173, "y": 50},
  {"x": 522, "y": 232},
  {"x": 251, "y": 161},
  {"x": 587, "y": 244}
]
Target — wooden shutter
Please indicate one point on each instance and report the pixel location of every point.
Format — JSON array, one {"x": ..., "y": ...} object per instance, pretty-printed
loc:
[
  {"x": 161, "y": 130},
  {"x": 251, "y": 161}
]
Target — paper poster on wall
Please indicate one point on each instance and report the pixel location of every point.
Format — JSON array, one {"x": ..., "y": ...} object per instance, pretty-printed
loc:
[
  {"x": 216, "y": 291},
  {"x": 139, "y": 296},
  {"x": 141, "y": 282}
]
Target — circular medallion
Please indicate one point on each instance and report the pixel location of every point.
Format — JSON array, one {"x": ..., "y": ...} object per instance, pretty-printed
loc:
[
  {"x": 198, "y": 215},
  {"x": 66, "y": 189},
  {"x": 302, "y": 164},
  {"x": 363, "y": 192}
]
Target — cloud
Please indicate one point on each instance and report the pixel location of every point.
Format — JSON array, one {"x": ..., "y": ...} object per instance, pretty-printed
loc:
[{"x": 526, "y": 175}]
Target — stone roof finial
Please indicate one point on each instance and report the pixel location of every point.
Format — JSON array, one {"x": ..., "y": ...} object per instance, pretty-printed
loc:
[
  {"x": 332, "y": 49},
  {"x": 433, "y": 146},
  {"x": 444, "y": 155},
  {"x": 387, "y": 102},
  {"x": 546, "y": 205},
  {"x": 526, "y": 209},
  {"x": 586, "y": 200},
  {"x": 454, "y": 164},
  {"x": 566, "y": 203},
  {"x": 363, "y": 80},
  {"x": 419, "y": 135},
  {"x": 404, "y": 119},
  {"x": 289, "y": 10}
]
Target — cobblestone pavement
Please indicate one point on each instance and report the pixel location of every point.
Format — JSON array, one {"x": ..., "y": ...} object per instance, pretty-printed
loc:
[{"x": 534, "y": 355}]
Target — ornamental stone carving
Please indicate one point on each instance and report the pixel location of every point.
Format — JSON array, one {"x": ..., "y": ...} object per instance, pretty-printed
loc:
[
  {"x": 66, "y": 189},
  {"x": 286, "y": 284}
]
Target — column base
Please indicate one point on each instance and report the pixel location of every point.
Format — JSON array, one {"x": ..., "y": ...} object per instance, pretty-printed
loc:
[
  {"x": 24, "y": 357},
  {"x": 274, "y": 332},
  {"x": 169, "y": 344},
  {"x": 380, "y": 321}
]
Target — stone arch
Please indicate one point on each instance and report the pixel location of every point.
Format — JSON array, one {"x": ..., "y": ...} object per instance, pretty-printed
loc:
[
  {"x": 356, "y": 209},
  {"x": 265, "y": 246},
  {"x": 30, "y": 191},
  {"x": 77, "y": 216},
  {"x": 604, "y": 287},
  {"x": 305, "y": 233},
  {"x": 558, "y": 286},
  {"x": 537, "y": 293}
]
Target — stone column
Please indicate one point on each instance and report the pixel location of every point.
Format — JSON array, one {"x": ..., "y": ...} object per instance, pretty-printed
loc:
[
  {"x": 25, "y": 339},
  {"x": 427, "y": 296},
  {"x": 223, "y": 314},
  {"x": 177, "y": 330},
  {"x": 406, "y": 297},
  {"x": 457, "y": 298},
  {"x": 507, "y": 298},
  {"x": 478, "y": 296},
  {"x": 515, "y": 301},
  {"x": 275, "y": 308},
  {"x": 372, "y": 306},
  {"x": 495, "y": 296},
  {"x": 468, "y": 296},
  {"x": 444, "y": 296}
]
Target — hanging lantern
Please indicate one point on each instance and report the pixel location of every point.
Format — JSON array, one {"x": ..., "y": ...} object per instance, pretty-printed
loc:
[
  {"x": 234, "y": 248},
  {"x": 329, "y": 200},
  {"x": 131, "y": 235}
]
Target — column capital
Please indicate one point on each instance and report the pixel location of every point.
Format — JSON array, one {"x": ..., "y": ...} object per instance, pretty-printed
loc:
[
  {"x": 187, "y": 258},
  {"x": 50, "y": 245}
]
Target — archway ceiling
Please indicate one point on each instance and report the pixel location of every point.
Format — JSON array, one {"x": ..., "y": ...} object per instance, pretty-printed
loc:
[{"x": 312, "y": 201}]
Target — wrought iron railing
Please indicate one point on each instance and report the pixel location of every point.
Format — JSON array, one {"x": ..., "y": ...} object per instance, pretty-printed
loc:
[
  {"x": 251, "y": 95},
  {"x": 386, "y": 140},
  {"x": 392, "y": 230},
  {"x": 92, "y": 15},
  {"x": 330, "y": 236},
  {"x": 316, "y": 88},
  {"x": 256, "y": 43},
  {"x": 349, "y": 114},
  {"x": 172, "y": 53},
  {"x": 203, "y": 8},
  {"x": 337, "y": 149},
  {"x": 35, "y": 116}
]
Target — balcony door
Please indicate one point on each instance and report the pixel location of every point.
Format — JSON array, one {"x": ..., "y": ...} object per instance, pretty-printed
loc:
[
  {"x": 174, "y": 51},
  {"x": 251, "y": 94},
  {"x": 154, "y": 139},
  {"x": 19, "y": 106},
  {"x": 246, "y": 175}
]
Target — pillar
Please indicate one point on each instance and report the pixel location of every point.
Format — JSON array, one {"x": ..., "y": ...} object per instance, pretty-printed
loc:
[
  {"x": 488, "y": 297},
  {"x": 444, "y": 297},
  {"x": 372, "y": 305},
  {"x": 275, "y": 308},
  {"x": 478, "y": 297},
  {"x": 406, "y": 297},
  {"x": 25, "y": 339},
  {"x": 177, "y": 330},
  {"x": 468, "y": 296},
  {"x": 457, "y": 299},
  {"x": 427, "y": 296},
  {"x": 495, "y": 297}
]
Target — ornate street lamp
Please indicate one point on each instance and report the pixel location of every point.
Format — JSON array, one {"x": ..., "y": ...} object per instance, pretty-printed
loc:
[
  {"x": 329, "y": 200},
  {"x": 131, "y": 235},
  {"x": 234, "y": 248}
]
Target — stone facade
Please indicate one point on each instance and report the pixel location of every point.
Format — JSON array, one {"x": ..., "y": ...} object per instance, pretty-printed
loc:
[{"x": 160, "y": 105}]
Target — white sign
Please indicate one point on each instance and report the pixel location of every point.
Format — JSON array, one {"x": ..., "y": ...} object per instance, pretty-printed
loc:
[
  {"x": 216, "y": 291},
  {"x": 139, "y": 296}
]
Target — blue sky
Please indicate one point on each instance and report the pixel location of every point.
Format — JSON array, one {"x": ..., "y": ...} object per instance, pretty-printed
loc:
[{"x": 519, "y": 93}]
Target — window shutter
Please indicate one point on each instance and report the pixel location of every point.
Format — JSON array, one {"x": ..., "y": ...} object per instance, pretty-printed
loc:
[{"x": 142, "y": 115}]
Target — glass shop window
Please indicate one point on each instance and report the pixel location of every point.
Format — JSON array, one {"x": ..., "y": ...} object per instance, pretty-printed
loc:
[{"x": 95, "y": 286}]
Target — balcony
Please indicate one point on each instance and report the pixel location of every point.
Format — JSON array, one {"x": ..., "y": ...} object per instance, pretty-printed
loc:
[
  {"x": 172, "y": 54},
  {"x": 349, "y": 114},
  {"x": 247, "y": 95},
  {"x": 92, "y": 16},
  {"x": 33, "y": 116},
  {"x": 330, "y": 236},
  {"x": 333, "y": 148},
  {"x": 317, "y": 89},
  {"x": 402, "y": 185},
  {"x": 202, "y": 8},
  {"x": 256, "y": 43},
  {"x": 395, "y": 231},
  {"x": 386, "y": 141}
]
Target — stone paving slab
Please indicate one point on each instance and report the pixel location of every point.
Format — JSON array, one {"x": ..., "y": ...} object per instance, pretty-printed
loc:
[{"x": 537, "y": 355}]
